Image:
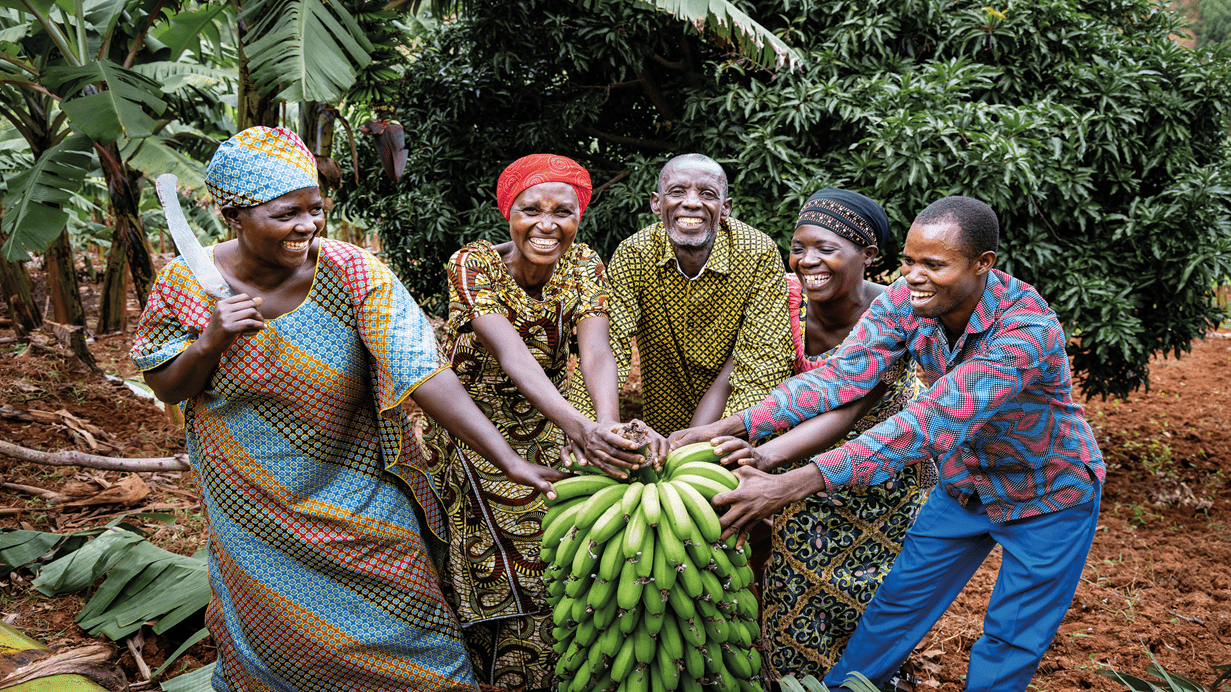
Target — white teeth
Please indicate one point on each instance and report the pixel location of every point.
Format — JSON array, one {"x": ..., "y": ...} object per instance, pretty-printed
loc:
[
  {"x": 816, "y": 280},
  {"x": 544, "y": 243},
  {"x": 688, "y": 222},
  {"x": 295, "y": 247},
  {"x": 920, "y": 295}
]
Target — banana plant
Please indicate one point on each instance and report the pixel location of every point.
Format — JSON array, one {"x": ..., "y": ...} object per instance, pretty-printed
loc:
[{"x": 81, "y": 83}]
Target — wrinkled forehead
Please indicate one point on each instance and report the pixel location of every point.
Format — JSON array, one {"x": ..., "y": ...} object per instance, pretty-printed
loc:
[{"x": 693, "y": 173}]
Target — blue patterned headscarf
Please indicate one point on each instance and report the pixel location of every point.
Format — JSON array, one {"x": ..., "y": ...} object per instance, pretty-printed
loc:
[{"x": 259, "y": 164}]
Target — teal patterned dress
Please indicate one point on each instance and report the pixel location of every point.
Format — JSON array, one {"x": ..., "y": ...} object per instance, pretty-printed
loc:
[{"x": 832, "y": 550}]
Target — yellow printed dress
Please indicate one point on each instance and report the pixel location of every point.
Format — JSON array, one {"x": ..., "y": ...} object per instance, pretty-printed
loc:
[
  {"x": 832, "y": 550},
  {"x": 314, "y": 488},
  {"x": 494, "y": 570}
]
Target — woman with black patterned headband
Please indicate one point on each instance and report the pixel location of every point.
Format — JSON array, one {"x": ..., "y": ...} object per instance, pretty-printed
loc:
[{"x": 830, "y": 551}]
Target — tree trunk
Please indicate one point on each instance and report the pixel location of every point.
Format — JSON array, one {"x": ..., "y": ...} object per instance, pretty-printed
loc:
[
  {"x": 128, "y": 232},
  {"x": 113, "y": 303},
  {"x": 254, "y": 107},
  {"x": 66, "y": 296},
  {"x": 16, "y": 286}
]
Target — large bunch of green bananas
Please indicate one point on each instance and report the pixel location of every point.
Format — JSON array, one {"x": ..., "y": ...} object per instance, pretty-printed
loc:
[{"x": 643, "y": 594}]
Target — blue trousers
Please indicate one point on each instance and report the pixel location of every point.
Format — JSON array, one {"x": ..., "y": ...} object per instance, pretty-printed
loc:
[{"x": 1043, "y": 560}]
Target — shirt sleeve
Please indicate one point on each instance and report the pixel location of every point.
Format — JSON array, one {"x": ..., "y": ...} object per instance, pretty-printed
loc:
[
  {"x": 947, "y": 414},
  {"x": 175, "y": 314},
  {"x": 592, "y": 285},
  {"x": 872, "y": 347},
  {"x": 474, "y": 285},
  {"x": 763, "y": 355},
  {"x": 395, "y": 332}
]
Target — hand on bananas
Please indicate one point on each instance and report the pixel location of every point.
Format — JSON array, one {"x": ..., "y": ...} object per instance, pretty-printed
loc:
[
  {"x": 647, "y": 444},
  {"x": 643, "y": 594}
]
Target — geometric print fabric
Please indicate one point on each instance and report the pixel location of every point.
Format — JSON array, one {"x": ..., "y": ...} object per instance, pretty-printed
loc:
[{"x": 321, "y": 577}]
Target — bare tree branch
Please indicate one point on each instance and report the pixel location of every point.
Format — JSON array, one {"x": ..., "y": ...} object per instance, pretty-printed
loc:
[{"x": 179, "y": 462}]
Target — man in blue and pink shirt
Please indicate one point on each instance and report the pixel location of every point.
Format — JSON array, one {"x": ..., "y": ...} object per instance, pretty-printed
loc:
[{"x": 1019, "y": 465}]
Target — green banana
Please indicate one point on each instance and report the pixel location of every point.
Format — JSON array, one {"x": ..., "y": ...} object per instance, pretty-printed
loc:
[
  {"x": 713, "y": 588},
  {"x": 701, "y": 556},
  {"x": 673, "y": 547},
  {"x": 739, "y": 633},
  {"x": 746, "y": 604},
  {"x": 594, "y": 655},
  {"x": 706, "y": 486},
  {"x": 555, "y": 531},
  {"x": 639, "y": 679},
  {"x": 609, "y": 641},
  {"x": 754, "y": 659},
  {"x": 652, "y": 600},
  {"x": 578, "y": 486},
  {"x": 585, "y": 559},
  {"x": 569, "y": 546},
  {"x": 707, "y": 469},
  {"x": 556, "y": 588},
  {"x": 560, "y": 613},
  {"x": 663, "y": 572},
  {"x": 547, "y": 555},
  {"x": 632, "y": 497},
  {"x": 605, "y": 614},
  {"x": 586, "y": 633},
  {"x": 690, "y": 577},
  {"x": 654, "y": 623},
  {"x": 613, "y": 557},
  {"x": 650, "y": 504},
  {"x": 628, "y": 620},
  {"x": 579, "y": 587},
  {"x": 601, "y": 591},
  {"x": 580, "y": 610},
  {"x": 694, "y": 660},
  {"x": 608, "y": 525},
  {"x": 736, "y": 662},
  {"x": 706, "y": 609},
  {"x": 628, "y": 591},
  {"x": 562, "y": 663},
  {"x": 670, "y": 643},
  {"x": 701, "y": 511},
  {"x": 716, "y": 629},
  {"x": 581, "y": 677},
  {"x": 634, "y": 534},
  {"x": 697, "y": 451},
  {"x": 677, "y": 512},
  {"x": 681, "y": 603},
  {"x": 693, "y": 632},
  {"x": 656, "y": 676},
  {"x": 598, "y": 503},
  {"x": 554, "y": 512},
  {"x": 644, "y": 645},
  {"x": 754, "y": 629},
  {"x": 645, "y": 554},
  {"x": 689, "y": 683},
  {"x": 622, "y": 664}
]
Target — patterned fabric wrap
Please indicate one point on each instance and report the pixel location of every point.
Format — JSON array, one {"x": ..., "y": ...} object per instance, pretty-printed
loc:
[
  {"x": 528, "y": 171},
  {"x": 307, "y": 466},
  {"x": 259, "y": 164},
  {"x": 849, "y": 214},
  {"x": 831, "y": 551},
  {"x": 494, "y": 575},
  {"x": 999, "y": 413},
  {"x": 686, "y": 328}
]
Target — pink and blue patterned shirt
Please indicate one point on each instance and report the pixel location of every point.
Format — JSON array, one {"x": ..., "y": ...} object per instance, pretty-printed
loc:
[{"x": 999, "y": 414}]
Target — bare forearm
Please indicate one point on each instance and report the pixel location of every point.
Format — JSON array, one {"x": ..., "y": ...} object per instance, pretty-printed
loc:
[
  {"x": 602, "y": 384},
  {"x": 715, "y": 400},
  {"x": 448, "y": 403},
  {"x": 184, "y": 376}
]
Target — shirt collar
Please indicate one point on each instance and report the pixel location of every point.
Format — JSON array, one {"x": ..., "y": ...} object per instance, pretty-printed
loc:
[
  {"x": 989, "y": 305},
  {"x": 720, "y": 255}
]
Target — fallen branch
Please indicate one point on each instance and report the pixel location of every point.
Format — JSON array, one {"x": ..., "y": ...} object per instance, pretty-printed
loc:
[{"x": 179, "y": 462}]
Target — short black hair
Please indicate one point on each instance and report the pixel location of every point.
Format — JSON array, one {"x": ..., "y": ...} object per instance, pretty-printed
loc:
[
  {"x": 980, "y": 227},
  {"x": 699, "y": 158}
]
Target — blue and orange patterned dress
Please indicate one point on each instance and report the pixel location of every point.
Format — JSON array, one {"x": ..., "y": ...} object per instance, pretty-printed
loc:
[
  {"x": 314, "y": 486},
  {"x": 832, "y": 550}
]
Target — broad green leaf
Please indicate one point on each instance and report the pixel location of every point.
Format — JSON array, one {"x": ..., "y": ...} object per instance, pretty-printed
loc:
[
  {"x": 20, "y": 548},
  {"x": 188, "y": 644},
  {"x": 80, "y": 569},
  {"x": 32, "y": 217},
  {"x": 14, "y": 33},
  {"x": 196, "y": 681},
  {"x": 154, "y": 156},
  {"x": 311, "y": 48},
  {"x": 109, "y": 114},
  {"x": 185, "y": 28},
  {"x": 174, "y": 76}
]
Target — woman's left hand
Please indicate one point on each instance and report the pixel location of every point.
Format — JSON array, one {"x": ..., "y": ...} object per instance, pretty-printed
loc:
[
  {"x": 659, "y": 447},
  {"x": 535, "y": 476},
  {"x": 734, "y": 450},
  {"x": 603, "y": 448}
]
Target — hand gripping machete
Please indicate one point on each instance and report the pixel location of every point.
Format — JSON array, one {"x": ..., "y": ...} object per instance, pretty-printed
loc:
[{"x": 186, "y": 242}]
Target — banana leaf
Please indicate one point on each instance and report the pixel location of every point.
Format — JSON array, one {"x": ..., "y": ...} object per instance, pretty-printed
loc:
[
  {"x": 33, "y": 217},
  {"x": 110, "y": 114},
  {"x": 196, "y": 681},
  {"x": 314, "y": 50}
]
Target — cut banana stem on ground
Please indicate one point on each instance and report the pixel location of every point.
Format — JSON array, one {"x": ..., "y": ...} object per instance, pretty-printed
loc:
[{"x": 642, "y": 593}]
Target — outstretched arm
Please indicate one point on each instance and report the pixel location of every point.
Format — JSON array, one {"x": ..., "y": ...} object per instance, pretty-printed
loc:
[{"x": 443, "y": 397}]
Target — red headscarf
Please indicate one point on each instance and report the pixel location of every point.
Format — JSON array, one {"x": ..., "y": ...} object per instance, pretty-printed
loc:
[{"x": 531, "y": 170}]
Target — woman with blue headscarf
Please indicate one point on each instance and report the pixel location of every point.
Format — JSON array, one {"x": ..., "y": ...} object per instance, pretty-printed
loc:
[
  {"x": 322, "y": 517},
  {"x": 832, "y": 550}
]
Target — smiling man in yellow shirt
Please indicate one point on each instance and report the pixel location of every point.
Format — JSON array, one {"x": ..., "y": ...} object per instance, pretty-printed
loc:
[{"x": 697, "y": 289}]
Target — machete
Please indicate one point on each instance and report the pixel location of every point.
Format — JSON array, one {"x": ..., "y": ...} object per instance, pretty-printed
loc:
[{"x": 186, "y": 242}]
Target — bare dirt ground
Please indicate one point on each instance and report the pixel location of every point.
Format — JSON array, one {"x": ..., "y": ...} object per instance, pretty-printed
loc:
[{"x": 1158, "y": 578}]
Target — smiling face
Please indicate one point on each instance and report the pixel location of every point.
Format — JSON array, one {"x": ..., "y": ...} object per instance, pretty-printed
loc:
[
  {"x": 829, "y": 266},
  {"x": 543, "y": 222},
  {"x": 944, "y": 282},
  {"x": 691, "y": 201},
  {"x": 280, "y": 232}
]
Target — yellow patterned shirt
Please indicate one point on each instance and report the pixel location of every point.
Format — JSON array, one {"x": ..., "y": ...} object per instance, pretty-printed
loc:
[{"x": 686, "y": 328}]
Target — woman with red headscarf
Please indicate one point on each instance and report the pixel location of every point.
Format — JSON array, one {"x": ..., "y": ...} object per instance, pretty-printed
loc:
[{"x": 514, "y": 309}]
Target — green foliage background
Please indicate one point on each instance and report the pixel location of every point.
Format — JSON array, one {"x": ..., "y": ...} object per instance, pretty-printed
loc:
[{"x": 1100, "y": 142}]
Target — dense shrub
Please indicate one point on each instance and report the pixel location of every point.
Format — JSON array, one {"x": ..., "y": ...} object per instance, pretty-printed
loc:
[{"x": 1101, "y": 143}]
